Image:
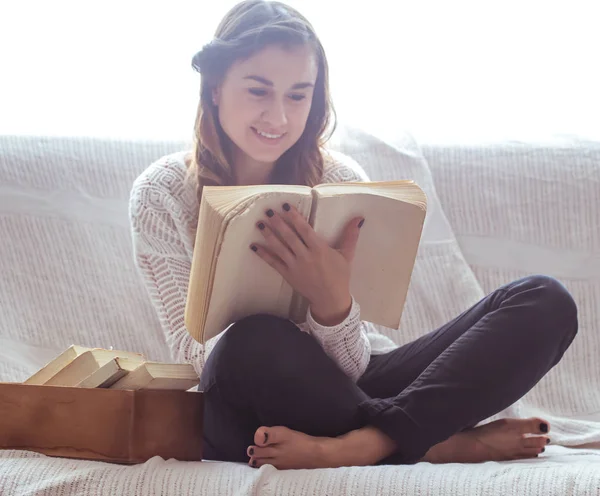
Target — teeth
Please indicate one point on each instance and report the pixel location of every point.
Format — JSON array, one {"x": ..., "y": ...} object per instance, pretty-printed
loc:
[{"x": 270, "y": 136}]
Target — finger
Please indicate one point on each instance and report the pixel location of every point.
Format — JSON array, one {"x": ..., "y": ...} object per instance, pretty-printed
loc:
[
  {"x": 303, "y": 228},
  {"x": 268, "y": 257},
  {"x": 276, "y": 246},
  {"x": 288, "y": 233},
  {"x": 349, "y": 239}
]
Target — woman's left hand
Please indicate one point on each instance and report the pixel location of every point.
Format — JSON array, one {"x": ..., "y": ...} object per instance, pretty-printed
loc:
[{"x": 317, "y": 271}]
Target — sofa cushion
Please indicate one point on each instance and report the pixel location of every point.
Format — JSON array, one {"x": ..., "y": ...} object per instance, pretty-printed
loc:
[{"x": 442, "y": 284}]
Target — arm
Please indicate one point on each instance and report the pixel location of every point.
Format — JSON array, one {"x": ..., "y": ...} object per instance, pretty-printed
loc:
[
  {"x": 164, "y": 264},
  {"x": 346, "y": 341}
]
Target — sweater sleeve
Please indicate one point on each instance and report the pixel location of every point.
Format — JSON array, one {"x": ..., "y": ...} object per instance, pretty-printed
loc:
[
  {"x": 165, "y": 265},
  {"x": 346, "y": 343}
]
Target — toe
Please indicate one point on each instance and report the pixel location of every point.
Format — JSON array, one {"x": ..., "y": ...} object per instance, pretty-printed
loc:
[
  {"x": 259, "y": 462},
  {"x": 262, "y": 436},
  {"x": 528, "y": 453},
  {"x": 263, "y": 452},
  {"x": 264, "y": 461},
  {"x": 265, "y": 436},
  {"x": 543, "y": 427},
  {"x": 535, "y": 426},
  {"x": 537, "y": 442}
]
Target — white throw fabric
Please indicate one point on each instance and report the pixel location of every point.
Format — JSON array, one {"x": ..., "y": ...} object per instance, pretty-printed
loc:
[
  {"x": 66, "y": 255},
  {"x": 68, "y": 276},
  {"x": 558, "y": 472},
  {"x": 527, "y": 208}
]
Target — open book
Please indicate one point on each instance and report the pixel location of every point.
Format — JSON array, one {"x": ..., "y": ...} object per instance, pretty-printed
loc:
[{"x": 228, "y": 281}]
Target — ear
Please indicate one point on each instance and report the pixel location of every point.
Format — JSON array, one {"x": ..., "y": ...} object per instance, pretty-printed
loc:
[{"x": 216, "y": 95}]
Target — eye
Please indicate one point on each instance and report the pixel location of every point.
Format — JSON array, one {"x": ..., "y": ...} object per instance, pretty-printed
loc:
[
  {"x": 257, "y": 91},
  {"x": 298, "y": 97}
]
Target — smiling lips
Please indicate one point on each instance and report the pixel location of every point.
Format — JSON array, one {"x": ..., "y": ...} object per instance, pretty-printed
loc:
[{"x": 268, "y": 136}]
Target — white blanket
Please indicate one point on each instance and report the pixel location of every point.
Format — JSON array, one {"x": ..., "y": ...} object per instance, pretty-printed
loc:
[
  {"x": 443, "y": 284},
  {"x": 558, "y": 472},
  {"x": 526, "y": 208}
]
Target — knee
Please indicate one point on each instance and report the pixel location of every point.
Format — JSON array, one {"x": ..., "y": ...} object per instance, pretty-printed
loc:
[
  {"x": 259, "y": 331},
  {"x": 259, "y": 342},
  {"x": 552, "y": 302}
]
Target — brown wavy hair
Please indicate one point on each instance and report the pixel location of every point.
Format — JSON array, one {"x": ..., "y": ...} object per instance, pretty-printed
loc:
[{"x": 246, "y": 29}]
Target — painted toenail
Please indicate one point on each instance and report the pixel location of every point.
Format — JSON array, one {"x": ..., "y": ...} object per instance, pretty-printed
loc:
[
  {"x": 544, "y": 427},
  {"x": 543, "y": 449},
  {"x": 548, "y": 441},
  {"x": 266, "y": 437},
  {"x": 251, "y": 451},
  {"x": 254, "y": 463}
]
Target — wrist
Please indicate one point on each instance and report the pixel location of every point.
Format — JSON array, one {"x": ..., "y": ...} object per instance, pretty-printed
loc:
[{"x": 333, "y": 313}]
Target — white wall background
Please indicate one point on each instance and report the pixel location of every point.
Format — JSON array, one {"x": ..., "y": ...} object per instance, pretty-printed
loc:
[{"x": 446, "y": 70}]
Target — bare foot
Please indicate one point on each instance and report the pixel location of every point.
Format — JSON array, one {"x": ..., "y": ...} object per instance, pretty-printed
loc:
[
  {"x": 286, "y": 449},
  {"x": 504, "y": 439}
]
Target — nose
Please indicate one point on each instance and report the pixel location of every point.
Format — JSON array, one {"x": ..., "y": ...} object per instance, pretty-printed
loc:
[{"x": 275, "y": 113}]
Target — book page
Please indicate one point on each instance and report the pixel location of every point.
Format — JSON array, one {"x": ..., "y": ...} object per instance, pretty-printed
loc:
[
  {"x": 385, "y": 252},
  {"x": 243, "y": 283}
]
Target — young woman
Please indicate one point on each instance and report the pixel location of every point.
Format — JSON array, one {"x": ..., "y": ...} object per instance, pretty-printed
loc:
[{"x": 327, "y": 392}]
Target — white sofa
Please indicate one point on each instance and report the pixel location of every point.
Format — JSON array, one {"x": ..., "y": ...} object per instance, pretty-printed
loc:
[{"x": 497, "y": 211}]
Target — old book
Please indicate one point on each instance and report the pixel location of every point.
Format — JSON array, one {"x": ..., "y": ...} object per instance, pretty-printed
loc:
[
  {"x": 69, "y": 370},
  {"x": 58, "y": 363},
  {"x": 155, "y": 375},
  {"x": 109, "y": 373},
  {"x": 228, "y": 281}
]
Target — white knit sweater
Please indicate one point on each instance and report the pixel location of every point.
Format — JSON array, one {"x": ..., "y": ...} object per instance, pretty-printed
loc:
[{"x": 164, "y": 216}]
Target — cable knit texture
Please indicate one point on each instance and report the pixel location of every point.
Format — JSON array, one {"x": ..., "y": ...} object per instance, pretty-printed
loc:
[{"x": 164, "y": 218}]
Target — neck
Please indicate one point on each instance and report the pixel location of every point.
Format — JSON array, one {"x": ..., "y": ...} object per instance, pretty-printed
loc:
[{"x": 249, "y": 171}]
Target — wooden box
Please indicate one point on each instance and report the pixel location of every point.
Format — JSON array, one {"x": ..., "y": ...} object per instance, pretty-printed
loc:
[{"x": 122, "y": 426}]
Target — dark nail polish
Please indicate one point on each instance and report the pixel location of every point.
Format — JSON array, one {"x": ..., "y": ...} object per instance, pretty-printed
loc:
[
  {"x": 286, "y": 207},
  {"x": 544, "y": 427},
  {"x": 548, "y": 441},
  {"x": 270, "y": 213},
  {"x": 254, "y": 463},
  {"x": 253, "y": 248},
  {"x": 543, "y": 449},
  {"x": 251, "y": 451},
  {"x": 266, "y": 438},
  {"x": 261, "y": 226},
  {"x": 360, "y": 224}
]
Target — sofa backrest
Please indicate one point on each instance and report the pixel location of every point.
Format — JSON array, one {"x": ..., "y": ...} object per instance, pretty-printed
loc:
[{"x": 66, "y": 257}]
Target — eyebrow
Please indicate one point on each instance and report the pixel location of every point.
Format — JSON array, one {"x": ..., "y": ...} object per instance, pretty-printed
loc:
[{"x": 262, "y": 80}]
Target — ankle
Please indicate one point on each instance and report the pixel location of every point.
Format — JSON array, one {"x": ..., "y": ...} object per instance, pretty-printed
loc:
[{"x": 366, "y": 446}]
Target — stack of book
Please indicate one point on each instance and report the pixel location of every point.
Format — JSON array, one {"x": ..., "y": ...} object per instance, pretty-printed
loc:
[
  {"x": 107, "y": 405},
  {"x": 83, "y": 367}
]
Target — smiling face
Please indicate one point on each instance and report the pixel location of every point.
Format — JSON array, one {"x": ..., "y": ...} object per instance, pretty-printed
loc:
[{"x": 264, "y": 103}]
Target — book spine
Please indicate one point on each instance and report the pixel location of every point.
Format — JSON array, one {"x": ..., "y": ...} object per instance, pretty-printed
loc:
[{"x": 299, "y": 304}]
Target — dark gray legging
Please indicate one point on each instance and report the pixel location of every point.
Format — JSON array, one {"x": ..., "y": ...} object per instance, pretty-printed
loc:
[{"x": 265, "y": 372}]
